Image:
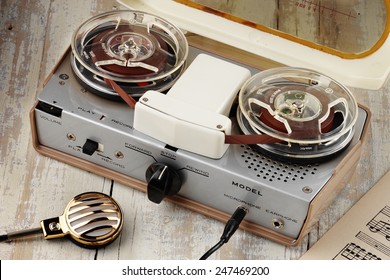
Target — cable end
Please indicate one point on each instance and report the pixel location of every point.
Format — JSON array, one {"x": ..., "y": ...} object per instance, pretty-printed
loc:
[
  {"x": 234, "y": 222},
  {"x": 230, "y": 228}
]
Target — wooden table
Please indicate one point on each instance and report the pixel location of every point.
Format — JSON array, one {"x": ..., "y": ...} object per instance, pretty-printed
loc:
[{"x": 33, "y": 36}]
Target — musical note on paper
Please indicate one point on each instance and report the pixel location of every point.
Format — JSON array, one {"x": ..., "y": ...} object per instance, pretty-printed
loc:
[
  {"x": 362, "y": 233},
  {"x": 373, "y": 243},
  {"x": 381, "y": 223},
  {"x": 353, "y": 251}
]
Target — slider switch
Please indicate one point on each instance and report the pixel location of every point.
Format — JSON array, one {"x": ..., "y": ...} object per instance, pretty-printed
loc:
[{"x": 90, "y": 147}]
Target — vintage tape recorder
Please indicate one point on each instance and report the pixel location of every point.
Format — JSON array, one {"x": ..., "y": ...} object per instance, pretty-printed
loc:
[{"x": 196, "y": 128}]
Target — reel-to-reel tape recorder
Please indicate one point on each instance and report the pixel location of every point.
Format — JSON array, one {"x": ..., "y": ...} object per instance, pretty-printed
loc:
[{"x": 200, "y": 130}]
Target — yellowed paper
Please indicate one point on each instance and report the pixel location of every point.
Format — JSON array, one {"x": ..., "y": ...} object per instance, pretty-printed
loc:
[{"x": 362, "y": 233}]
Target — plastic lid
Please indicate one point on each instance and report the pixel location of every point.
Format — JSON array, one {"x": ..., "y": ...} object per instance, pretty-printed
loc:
[{"x": 364, "y": 68}]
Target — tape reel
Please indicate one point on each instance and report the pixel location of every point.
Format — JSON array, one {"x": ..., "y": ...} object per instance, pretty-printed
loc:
[
  {"x": 311, "y": 115},
  {"x": 136, "y": 50}
]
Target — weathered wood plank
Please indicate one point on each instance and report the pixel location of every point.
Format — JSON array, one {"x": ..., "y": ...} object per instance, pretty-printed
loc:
[{"x": 34, "y": 187}]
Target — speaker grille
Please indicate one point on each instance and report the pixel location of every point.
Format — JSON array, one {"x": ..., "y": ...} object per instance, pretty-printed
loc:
[
  {"x": 272, "y": 170},
  {"x": 93, "y": 216}
]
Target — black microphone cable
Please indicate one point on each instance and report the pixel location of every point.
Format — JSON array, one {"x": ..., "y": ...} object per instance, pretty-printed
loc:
[{"x": 230, "y": 228}]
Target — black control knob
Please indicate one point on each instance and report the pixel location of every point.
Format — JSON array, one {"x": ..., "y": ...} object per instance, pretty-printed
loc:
[{"x": 162, "y": 181}]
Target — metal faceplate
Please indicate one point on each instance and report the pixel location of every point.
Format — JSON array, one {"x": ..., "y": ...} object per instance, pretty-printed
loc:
[{"x": 271, "y": 190}]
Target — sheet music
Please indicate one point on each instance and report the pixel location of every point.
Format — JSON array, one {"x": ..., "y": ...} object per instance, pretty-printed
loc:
[
  {"x": 381, "y": 223},
  {"x": 363, "y": 233},
  {"x": 354, "y": 252}
]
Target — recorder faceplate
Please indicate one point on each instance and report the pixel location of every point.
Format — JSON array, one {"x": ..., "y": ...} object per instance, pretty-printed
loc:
[{"x": 97, "y": 134}]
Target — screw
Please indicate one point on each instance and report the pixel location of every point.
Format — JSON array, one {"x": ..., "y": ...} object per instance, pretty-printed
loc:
[
  {"x": 307, "y": 189},
  {"x": 119, "y": 154},
  {"x": 145, "y": 99},
  {"x": 219, "y": 126},
  {"x": 64, "y": 77},
  {"x": 71, "y": 136},
  {"x": 53, "y": 226}
]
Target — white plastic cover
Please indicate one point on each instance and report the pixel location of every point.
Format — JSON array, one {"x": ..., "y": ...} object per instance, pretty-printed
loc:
[
  {"x": 369, "y": 72},
  {"x": 193, "y": 115}
]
